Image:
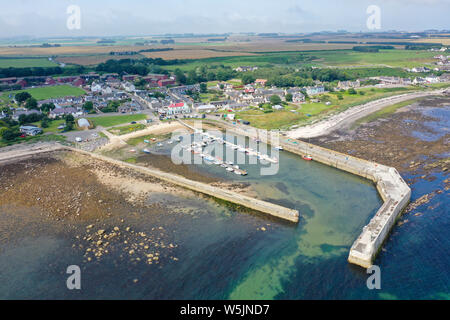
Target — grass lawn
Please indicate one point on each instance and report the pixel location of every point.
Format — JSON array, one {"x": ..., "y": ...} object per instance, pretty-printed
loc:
[
  {"x": 26, "y": 63},
  {"x": 53, "y": 126},
  {"x": 42, "y": 138},
  {"x": 111, "y": 121},
  {"x": 127, "y": 129},
  {"x": 393, "y": 58},
  {"x": 45, "y": 93}
]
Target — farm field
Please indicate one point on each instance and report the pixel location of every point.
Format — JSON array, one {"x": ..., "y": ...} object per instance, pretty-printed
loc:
[
  {"x": 92, "y": 60},
  {"x": 111, "y": 121},
  {"x": 26, "y": 63},
  {"x": 45, "y": 93},
  {"x": 193, "y": 54},
  {"x": 334, "y": 58}
]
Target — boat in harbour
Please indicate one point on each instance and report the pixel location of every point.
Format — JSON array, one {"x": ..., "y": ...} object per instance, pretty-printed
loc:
[{"x": 307, "y": 157}]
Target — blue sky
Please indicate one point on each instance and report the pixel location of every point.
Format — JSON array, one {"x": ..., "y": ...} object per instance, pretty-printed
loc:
[{"x": 144, "y": 17}]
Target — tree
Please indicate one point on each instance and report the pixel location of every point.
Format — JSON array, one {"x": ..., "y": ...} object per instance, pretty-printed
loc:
[
  {"x": 351, "y": 91},
  {"x": 22, "y": 97},
  {"x": 203, "y": 88},
  {"x": 88, "y": 106},
  {"x": 47, "y": 107},
  {"x": 70, "y": 122},
  {"x": 10, "y": 134},
  {"x": 275, "y": 99},
  {"x": 247, "y": 78},
  {"x": 180, "y": 76},
  {"x": 289, "y": 97},
  {"x": 31, "y": 103},
  {"x": 45, "y": 122}
]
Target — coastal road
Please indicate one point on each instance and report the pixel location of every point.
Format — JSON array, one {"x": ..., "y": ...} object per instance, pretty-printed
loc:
[{"x": 345, "y": 118}]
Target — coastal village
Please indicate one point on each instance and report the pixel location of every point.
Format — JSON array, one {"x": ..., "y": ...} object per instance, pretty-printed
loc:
[
  {"x": 161, "y": 95},
  {"x": 217, "y": 151}
]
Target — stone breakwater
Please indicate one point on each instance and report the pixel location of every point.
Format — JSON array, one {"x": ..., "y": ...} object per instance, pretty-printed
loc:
[
  {"x": 219, "y": 193},
  {"x": 393, "y": 190}
]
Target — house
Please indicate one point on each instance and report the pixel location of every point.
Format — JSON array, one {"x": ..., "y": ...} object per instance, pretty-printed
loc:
[
  {"x": 315, "y": 90},
  {"x": 129, "y": 87},
  {"x": 50, "y": 81},
  {"x": 245, "y": 69},
  {"x": 419, "y": 80},
  {"x": 166, "y": 82},
  {"x": 261, "y": 82},
  {"x": 11, "y": 80},
  {"x": 130, "y": 77},
  {"x": 206, "y": 108},
  {"x": 79, "y": 82},
  {"x": 68, "y": 79},
  {"x": 57, "y": 112},
  {"x": 30, "y": 130},
  {"x": 432, "y": 79},
  {"x": 348, "y": 84},
  {"x": 178, "y": 108},
  {"x": 298, "y": 97},
  {"x": 18, "y": 113}
]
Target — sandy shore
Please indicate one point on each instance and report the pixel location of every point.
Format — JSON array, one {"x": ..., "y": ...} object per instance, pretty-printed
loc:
[{"x": 346, "y": 118}]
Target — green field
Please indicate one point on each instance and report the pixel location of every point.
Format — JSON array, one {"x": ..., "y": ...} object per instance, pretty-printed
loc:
[
  {"x": 127, "y": 129},
  {"x": 111, "y": 121},
  {"x": 45, "y": 93},
  {"x": 52, "y": 126},
  {"x": 338, "y": 58},
  {"x": 26, "y": 63}
]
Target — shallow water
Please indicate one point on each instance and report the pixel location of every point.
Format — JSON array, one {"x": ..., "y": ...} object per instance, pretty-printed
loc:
[{"x": 225, "y": 254}]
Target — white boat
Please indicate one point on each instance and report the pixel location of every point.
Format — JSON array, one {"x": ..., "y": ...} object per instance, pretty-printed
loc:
[
  {"x": 230, "y": 163},
  {"x": 237, "y": 172},
  {"x": 279, "y": 148},
  {"x": 146, "y": 151},
  {"x": 230, "y": 169},
  {"x": 159, "y": 145},
  {"x": 236, "y": 167}
]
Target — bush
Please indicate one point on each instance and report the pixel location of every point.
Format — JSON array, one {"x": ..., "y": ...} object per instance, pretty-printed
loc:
[{"x": 10, "y": 134}]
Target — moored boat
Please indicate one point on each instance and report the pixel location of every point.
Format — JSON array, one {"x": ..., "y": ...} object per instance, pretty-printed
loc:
[{"x": 307, "y": 157}]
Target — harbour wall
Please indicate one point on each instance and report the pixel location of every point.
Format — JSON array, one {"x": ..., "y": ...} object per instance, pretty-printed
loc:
[
  {"x": 233, "y": 197},
  {"x": 392, "y": 188}
]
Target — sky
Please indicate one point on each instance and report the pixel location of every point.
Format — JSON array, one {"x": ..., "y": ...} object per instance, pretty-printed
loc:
[{"x": 48, "y": 18}]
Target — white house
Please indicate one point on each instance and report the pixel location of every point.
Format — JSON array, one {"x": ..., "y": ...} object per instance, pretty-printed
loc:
[{"x": 178, "y": 108}]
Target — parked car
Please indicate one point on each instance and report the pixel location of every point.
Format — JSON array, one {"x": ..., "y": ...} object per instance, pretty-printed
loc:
[{"x": 78, "y": 139}]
